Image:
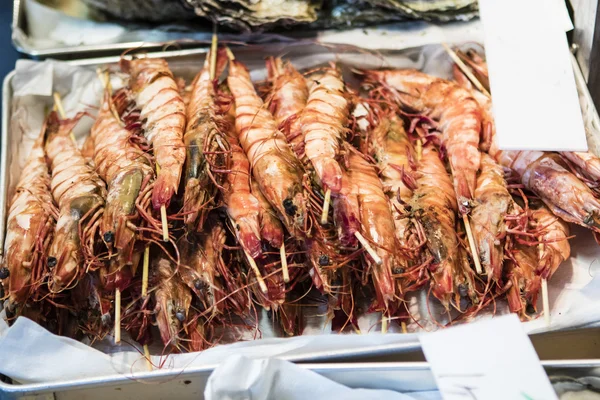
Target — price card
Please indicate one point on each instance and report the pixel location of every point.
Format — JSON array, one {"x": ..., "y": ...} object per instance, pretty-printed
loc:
[
  {"x": 535, "y": 100},
  {"x": 491, "y": 360}
]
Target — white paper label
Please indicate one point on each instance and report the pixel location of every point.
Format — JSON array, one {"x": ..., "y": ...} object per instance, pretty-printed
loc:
[
  {"x": 491, "y": 360},
  {"x": 535, "y": 101}
]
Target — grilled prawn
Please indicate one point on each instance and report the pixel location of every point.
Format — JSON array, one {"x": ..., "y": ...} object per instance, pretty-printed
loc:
[
  {"x": 201, "y": 256},
  {"x": 378, "y": 226},
  {"x": 173, "y": 299},
  {"x": 29, "y": 228},
  {"x": 288, "y": 99},
  {"x": 124, "y": 166},
  {"x": 162, "y": 109},
  {"x": 80, "y": 195},
  {"x": 323, "y": 124},
  {"x": 391, "y": 148},
  {"x": 201, "y": 143},
  {"x": 459, "y": 117},
  {"x": 546, "y": 175},
  {"x": 434, "y": 207},
  {"x": 274, "y": 166},
  {"x": 493, "y": 204}
]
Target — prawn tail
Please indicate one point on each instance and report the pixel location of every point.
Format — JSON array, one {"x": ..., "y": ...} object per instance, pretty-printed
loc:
[
  {"x": 442, "y": 283},
  {"x": 464, "y": 183},
  {"x": 249, "y": 236},
  {"x": 163, "y": 191},
  {"x": 331, "y": 174}
]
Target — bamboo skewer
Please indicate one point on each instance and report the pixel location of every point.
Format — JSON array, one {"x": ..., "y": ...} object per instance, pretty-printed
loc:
[
  {"x": 546, "y": 302},
  {"x": 465, "y": 69},
  {"x": 259, "y": 278},
  {"x": 326, "y": 202},
  {"x": 419, "y": 149},
  {"x": 117, "y": 316},
  {"x": 284, "y": 264},
  {"x": 145, "y": 270},
  {"x": 403, "y": 325},
  {"x": 368, "y": 248},
  {"x": 471, "y": 241},
  {"x": 384, "y": 323}
]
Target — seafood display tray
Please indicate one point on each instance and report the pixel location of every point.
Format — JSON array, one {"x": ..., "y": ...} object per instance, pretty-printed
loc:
[
  {"x": 403, "y": 374},
  {"x": 19, "y": 21},
  {"x": 407, "y": 376}
]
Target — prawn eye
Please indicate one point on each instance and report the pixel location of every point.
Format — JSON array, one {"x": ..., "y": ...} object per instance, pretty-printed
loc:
[
  {"x": 323, "y": 260},
  {"x": 398, "y": 270},
  {"x": 199, "y": 284},
  {"x": 180, "y": 315},
  {"x": 290, "y": 208},
  {"x": 530, "y": 309},
  {"x": 4, "y": 273},
  {"x": 464, "y": 303},
  {"x": 52, "y": 262},
  {"x": 109, "y": 237},
  {"x": 462, "y": 290}
]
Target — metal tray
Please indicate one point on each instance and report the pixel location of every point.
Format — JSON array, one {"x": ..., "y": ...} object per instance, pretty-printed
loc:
[
  {"x": 190, "y": 384},
  {"x": 408, "y": 375},
  {"x": 19, "y": 21}
]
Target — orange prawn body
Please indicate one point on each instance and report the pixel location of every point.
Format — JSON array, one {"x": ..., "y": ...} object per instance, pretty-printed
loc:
[
  {"x": 274, "y": 166},
  {"x": 200, "y": 258},
  {"x": 173, "y": 300},
  {"x": 434, "y": 207},
  {"x": 289, "y": 97},
  {"x": 157, "y": 96},
  {"x": 200, "y": 139},
  {"x": 459, "y": 116},
  {"x": 242, "y": 206},
  {"x": 323, "y": 123},
  {"x": 124, "y": 167},
  {"x": 391, "y": 148},
  {"x": 493, "y": 204},
  {"x": 378, "y": 226},
  {"x": 29, "y": 227},
  {"x": 553, "y": 236},
  {"x": 563, "y": 193},
  {"x": 586, "y": 161},
  {"x": 80, "y": 195}
]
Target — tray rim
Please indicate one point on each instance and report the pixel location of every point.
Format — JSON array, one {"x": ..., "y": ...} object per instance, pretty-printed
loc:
[
  {"x": 376, "y": 350},
  {"x": 371, "y": 367}
]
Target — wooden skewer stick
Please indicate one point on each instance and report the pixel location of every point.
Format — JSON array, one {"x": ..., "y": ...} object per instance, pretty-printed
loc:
[
  {"x": 144, "y": 294},
  {"x": 471, "y": 241},
  {"x": 368, "y": 247},
  {"x": 465, "y": 69},
  {"x": 213, "y": 53},
  {"x": 259, "y": 278},
  {"x": 326, "y": 202},
  {"x": 164, "y": 223},
  {"x": 403, "y": 325},
  {"x": 117, "y": 316},
  {"x": 419, "y": 149},
  {"x": 384, "y": 323},
  {"x": 546, "y": 302},
  {"x": 229, "y": 53},
  {"x": 61, "y": 111},
  {"x": 284, "y": 264}
]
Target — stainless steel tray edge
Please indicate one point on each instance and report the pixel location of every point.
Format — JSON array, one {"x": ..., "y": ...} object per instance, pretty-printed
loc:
[
  {"x": 399, "y": 376},
  {"x": 18, "y": 22},
  {"x": 419, "y": 368}
]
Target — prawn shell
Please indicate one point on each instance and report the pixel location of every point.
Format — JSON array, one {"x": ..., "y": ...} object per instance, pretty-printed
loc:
[{"x": 29, "y": 227}]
